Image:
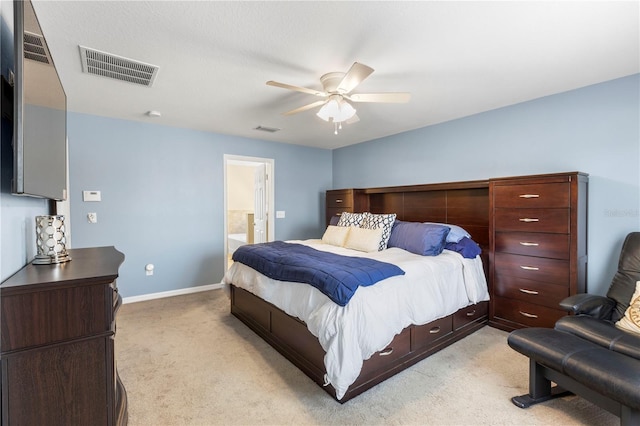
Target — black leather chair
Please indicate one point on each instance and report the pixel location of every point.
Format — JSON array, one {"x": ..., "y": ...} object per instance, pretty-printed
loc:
[{"x": 586, "y": 353}]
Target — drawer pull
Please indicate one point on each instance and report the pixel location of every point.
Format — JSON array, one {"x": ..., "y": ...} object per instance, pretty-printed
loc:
[
  {"x": 434, "y": 330},
  {"x": 530, "y": 268},
  {"x": 525, "y": 291},
  {"x": 528, "y": 315},
  {"x": 338, "y": 200},
  {"x": 528, "y": 244},
  {"x": 529, "y": 196},
  {"x": 529, "y": 219},
  {"x": 472, "y": 313},
  {"x": 386, "y": 352}
]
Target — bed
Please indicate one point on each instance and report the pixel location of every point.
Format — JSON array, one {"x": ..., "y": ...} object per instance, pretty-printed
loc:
[{"x": 381, "y": 331}]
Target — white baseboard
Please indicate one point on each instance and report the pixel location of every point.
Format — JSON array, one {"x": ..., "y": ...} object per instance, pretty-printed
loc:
[{"x": 151, "y": 296}]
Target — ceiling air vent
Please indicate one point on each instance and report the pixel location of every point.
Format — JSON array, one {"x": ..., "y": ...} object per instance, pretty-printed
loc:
[
  {"x": 117, "y": 67},
  {"x": 35, "y": 48},
  {"x": 267, "y": 129}
]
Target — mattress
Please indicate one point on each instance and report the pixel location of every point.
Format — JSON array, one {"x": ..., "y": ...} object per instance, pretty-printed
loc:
[{"x": 432, "y": 287}]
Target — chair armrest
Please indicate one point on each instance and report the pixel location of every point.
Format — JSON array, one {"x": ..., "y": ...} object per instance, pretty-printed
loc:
[{"x": 599, "y": 307}]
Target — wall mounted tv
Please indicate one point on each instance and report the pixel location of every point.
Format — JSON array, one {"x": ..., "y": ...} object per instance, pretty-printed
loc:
[{"x": 40, "y": 112}]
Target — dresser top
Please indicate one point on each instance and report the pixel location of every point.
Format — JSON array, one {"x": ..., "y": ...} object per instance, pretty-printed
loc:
[{"x": 87, "y": 266}]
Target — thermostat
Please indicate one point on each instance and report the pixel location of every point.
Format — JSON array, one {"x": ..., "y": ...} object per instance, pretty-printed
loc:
[{"x": 91, "y": 196}]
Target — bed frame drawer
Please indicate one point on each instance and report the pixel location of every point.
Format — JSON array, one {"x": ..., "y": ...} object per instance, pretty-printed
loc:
[
  {"x": 554, "y": 271},
  {"x": 555, "y": 246},
  {"x": 532, "y": 220},
  {"x": 423, "y": 335},
  {"x": 340, "y": 199},
  {"x": 473, "y": 313},
  {"x": 380, "y": 361},
  {"x": 531, "y": 291},
  {"x": 533, "y": 195},
  {"x": 528, "y": 314}
]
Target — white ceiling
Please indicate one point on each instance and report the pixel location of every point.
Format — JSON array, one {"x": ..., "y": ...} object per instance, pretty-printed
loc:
[{"x": 456, "y": 58}]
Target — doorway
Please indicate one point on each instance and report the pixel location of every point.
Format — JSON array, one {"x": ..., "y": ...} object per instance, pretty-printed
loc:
[{"x": 248, "y": 202}]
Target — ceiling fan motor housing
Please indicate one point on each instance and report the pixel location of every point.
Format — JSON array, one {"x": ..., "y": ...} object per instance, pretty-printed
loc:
[{"x": 330, "y": 81}]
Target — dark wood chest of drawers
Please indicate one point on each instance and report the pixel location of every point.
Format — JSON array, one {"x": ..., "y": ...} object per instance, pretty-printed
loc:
[
  {"x": 538, "y": 253},
  {"x": 345, "y": 200},
  {"x": 57, "y": 345}
]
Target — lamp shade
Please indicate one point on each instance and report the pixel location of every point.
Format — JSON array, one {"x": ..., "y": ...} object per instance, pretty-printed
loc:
[
  {"x": 50, "y": 240},
  {"x": 336, "y": 110}
]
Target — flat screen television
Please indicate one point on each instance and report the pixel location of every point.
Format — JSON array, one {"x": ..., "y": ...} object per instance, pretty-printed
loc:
[{"x": 40, "y": 112}]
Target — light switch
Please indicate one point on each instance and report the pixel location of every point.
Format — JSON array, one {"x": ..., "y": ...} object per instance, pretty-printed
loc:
[
  {"x": 91, "y": 196},
  {"x": 92, "y": 217},
  {"x": 280, "y": 214}
]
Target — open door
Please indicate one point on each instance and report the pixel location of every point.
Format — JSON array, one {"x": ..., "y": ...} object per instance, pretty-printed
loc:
[
  {"x": 260, "y": 209},
  {"x": 248, "y": 202}
]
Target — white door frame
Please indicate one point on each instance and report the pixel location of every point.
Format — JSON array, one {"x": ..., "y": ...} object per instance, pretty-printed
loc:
[{"x": 271, "y": 215}]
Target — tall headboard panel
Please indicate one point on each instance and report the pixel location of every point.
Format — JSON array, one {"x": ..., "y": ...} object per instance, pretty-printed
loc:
[{"x": 464, "y": 204}]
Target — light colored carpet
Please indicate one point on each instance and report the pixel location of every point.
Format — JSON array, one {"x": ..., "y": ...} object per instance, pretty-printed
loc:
[{"x": 186, "y": 360}]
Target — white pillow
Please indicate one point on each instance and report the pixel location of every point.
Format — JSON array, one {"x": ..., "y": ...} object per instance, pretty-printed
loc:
[
  {"x": 362, "y": 239},
  {"x": 631, "y": 319},
  {"x": 335, "y": 235}
]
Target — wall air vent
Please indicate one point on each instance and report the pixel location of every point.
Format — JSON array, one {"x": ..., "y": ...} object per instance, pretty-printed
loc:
[
  {"x": 35, "y": 48},
  {"x": 267, "y": 129},
  {"x": 117, "y": 67}
]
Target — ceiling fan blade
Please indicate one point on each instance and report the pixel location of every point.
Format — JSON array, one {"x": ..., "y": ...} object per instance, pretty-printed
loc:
[
  {"x": 296, "y": 88},
  {"x": 356, "y": 74},
  {"x": 393, "y": 97},
  {"x": 304, "y": 108}
]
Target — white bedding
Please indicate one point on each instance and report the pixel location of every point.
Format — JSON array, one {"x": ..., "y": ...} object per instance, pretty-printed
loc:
[{"x": 432, "y": 287}]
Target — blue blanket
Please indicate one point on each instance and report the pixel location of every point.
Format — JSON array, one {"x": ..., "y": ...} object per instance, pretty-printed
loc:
[{"x": 336, "y": 276}]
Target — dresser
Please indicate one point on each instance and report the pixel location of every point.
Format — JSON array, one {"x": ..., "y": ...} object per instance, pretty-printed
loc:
[
  {"x": 345, "y": 200},
  {"x": 57, "y": 344},
  {"x": 538, "y": 247}
]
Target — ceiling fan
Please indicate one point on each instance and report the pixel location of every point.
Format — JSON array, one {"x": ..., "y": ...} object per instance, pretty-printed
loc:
[{"x": 337, "y": 97}]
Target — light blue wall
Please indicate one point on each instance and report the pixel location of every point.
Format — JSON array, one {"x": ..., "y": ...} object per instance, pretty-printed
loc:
[
  {"x": 595, "y": 130},
  {"x": 163, "y": 196},
  {"x": 17, "y": 214}
]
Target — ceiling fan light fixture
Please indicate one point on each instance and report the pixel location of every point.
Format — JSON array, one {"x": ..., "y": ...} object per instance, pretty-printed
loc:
[{"x": 337, "y": 110}]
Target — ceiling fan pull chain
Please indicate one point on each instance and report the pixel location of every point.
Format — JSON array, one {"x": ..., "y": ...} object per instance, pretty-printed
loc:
[{"x": 335, "y": 132}]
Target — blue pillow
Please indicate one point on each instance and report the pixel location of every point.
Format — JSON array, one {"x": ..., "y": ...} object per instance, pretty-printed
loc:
[
  {"x": 456, "y": 234},
  {"x": 425, "y": 239},
  {"x": 468, "y": 248}
]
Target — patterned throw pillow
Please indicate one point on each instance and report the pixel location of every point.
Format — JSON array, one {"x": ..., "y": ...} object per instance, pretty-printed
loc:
[
  {"x": 631, "y": 319},
  {"x": 384, "y": 221},
  {"x": 351, "y": 219}
]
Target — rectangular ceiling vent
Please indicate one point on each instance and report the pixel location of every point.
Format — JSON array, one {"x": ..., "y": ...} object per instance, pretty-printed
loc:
[
  {"x": 267, "y": 129},
  {"x": 117, "y": 67},
  {"x": 35, "y": 48}
]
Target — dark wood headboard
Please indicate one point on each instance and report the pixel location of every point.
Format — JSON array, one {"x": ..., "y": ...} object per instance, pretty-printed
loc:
[{"x": 465, "y": 204}]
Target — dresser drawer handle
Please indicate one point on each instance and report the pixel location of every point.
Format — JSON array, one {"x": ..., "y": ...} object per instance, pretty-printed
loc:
[
  {"x": 529, "y": 196},
  {"x": 525, "y": 291},
  {"x": 530, "y": 268},
  {"x": 528, "y": 315},
  {"x": 527, "y": 244},
  {"x": 338, "y": 200},
  {"x": 386, "y": 352},
  {"x": 529, "y": 219},
  {"x": 434, "y": 330},
  {"x": 472, "y": 313}
]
